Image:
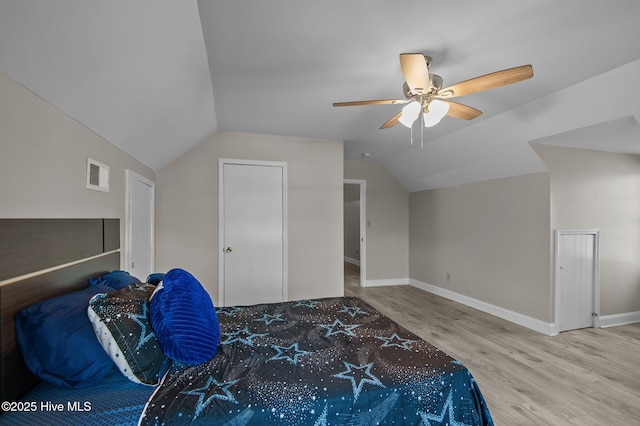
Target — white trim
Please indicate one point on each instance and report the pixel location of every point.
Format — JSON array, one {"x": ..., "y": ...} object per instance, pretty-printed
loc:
[
  {"x": 103, "y": 176},
  {"x": 129, "y": 177},
  {"x": 220, "y": 233},
  {"x": 386, "y": 282},
  {"x": 352, "y": 261},
  {"x": 285, "y": 222},
  {"x": 363, "y": 227},
  {"x": 619, "y": 319},
  {"x": 506, "y": 314},
  {"x": 596, "y": 272},
  {"x": 55, "y": 268}
]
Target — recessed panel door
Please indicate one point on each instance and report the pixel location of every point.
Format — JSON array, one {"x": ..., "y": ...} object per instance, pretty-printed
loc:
[
  {"x": 253, "y": 234},
  {"x": 140, "y": 225},
  {"x": 577, "y": 280}
]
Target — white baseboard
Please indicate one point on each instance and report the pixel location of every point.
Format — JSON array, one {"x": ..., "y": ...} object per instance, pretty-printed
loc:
[
  {"x": 352, "y": 261},
  {"x": 619, "y": 319},
  {"x": 390, "y": 281},
  {"x": 532, "y": 323}
]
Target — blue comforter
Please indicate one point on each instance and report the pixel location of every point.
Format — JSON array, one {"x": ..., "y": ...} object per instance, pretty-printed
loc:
[{"x": 335, "y": 361}]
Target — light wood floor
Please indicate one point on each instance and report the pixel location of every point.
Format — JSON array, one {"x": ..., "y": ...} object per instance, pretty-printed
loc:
[{"x": 581, "y": 377}]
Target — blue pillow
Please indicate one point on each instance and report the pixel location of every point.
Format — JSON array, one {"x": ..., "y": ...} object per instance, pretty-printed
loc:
[
  {"x": 154, "y": 279},
  {"x": 57, "y": 340},
  {"x": 115, "y": 279},
  {"x": 184, "y": 319}
]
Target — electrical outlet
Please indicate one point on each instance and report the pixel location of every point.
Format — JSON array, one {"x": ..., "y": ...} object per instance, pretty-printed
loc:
[{"x": 448, "y": 277}]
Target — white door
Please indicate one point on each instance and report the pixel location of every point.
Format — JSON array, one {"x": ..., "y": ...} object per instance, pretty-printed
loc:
[
  {"x": 252, "y": 233},
  {"x": 139, "y": 254},
  {"x": 576, "y": 280}
]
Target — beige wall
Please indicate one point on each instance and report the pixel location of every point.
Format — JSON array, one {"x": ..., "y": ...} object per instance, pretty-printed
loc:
[
  {"x": 491, "y": 237},
  {"x": 387, "y": 209},
  {"x": 43, "y": 162},
  {"x": 187, "y": 209},
  {"x": 599, "y": 190}
]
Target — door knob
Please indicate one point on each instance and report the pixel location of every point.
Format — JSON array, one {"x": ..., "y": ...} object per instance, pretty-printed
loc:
[{"x": 228, "y": 250}]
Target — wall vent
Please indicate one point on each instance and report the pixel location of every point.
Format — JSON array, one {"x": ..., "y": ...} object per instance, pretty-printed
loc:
[{"x": 97, "y": 175}]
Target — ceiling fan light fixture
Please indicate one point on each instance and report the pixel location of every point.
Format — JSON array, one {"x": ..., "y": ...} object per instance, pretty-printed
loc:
[
  {"x": 410, "y": 112},
  {"x": 423, "y": 89},
  {"x": 437, "y": 110}
]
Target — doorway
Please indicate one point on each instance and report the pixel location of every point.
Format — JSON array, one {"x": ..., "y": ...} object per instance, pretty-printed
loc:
[
  {"x": 355, "y": 201},
  {"x": 576, "y": 279},
  {"x": 252, "y": 232},
  {"x": 139, "y": 225}
]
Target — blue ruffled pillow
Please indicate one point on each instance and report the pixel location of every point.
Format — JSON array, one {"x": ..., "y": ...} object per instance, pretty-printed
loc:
[
  {"x": 57, "y": 340},
  {"x": 184, "y": 319},
  {"x": 155, "y": 278},
  {"x": 115, "y": 279}
]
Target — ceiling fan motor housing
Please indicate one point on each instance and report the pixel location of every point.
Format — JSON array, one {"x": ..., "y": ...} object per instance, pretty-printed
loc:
[{"x": 435, "y": 84}]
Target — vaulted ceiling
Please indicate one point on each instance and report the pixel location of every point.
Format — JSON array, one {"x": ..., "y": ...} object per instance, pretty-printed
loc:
[{"x": 156, "y": 77}]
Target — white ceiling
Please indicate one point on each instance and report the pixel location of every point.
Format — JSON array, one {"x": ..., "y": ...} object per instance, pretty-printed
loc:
[
  {"x": 155, "y": 77},
  {"x": 133, "y": 71}
]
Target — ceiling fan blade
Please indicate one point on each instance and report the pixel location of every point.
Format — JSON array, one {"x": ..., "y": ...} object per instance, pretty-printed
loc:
[
  {"x": 461, "y": 111},
  {"x": 374, "y": 102},
  {"x": 416, "y": 72},
  {"x": 392, "y": 121},
  {"x": 486, "y": 82}
]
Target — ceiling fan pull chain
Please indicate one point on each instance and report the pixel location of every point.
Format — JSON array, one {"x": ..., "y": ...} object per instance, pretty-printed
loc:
[
  {"x": 421, "y": 131},
  {"x": 412, "y": 135}
]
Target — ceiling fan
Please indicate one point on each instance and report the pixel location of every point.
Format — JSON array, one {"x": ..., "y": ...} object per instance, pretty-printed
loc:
[{"x": 424, "y": 92}]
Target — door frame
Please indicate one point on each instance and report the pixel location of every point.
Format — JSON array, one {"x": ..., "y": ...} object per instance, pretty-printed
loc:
[
  {"x": 130, "y": 176},
  {"x": 596, "y": 273},
  {"x": 363, "y": 226},
  {"x": 221, "y": 222}
]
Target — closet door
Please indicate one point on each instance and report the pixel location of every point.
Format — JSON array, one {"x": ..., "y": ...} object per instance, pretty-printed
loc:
[
  {"x": 576, "y": 258},
  {"x": 140, "y": 226},
  {"x": 252, "y": 233}
]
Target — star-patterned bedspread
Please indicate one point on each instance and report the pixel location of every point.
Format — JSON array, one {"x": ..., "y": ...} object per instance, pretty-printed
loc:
[{"x": 335, "y": 361}]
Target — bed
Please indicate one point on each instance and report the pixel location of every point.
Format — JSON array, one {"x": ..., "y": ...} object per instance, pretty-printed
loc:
[{"x": 319, "y": 361}]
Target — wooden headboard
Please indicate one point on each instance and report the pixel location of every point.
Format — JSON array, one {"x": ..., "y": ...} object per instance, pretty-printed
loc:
[{"x": 39, "y": 259}]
